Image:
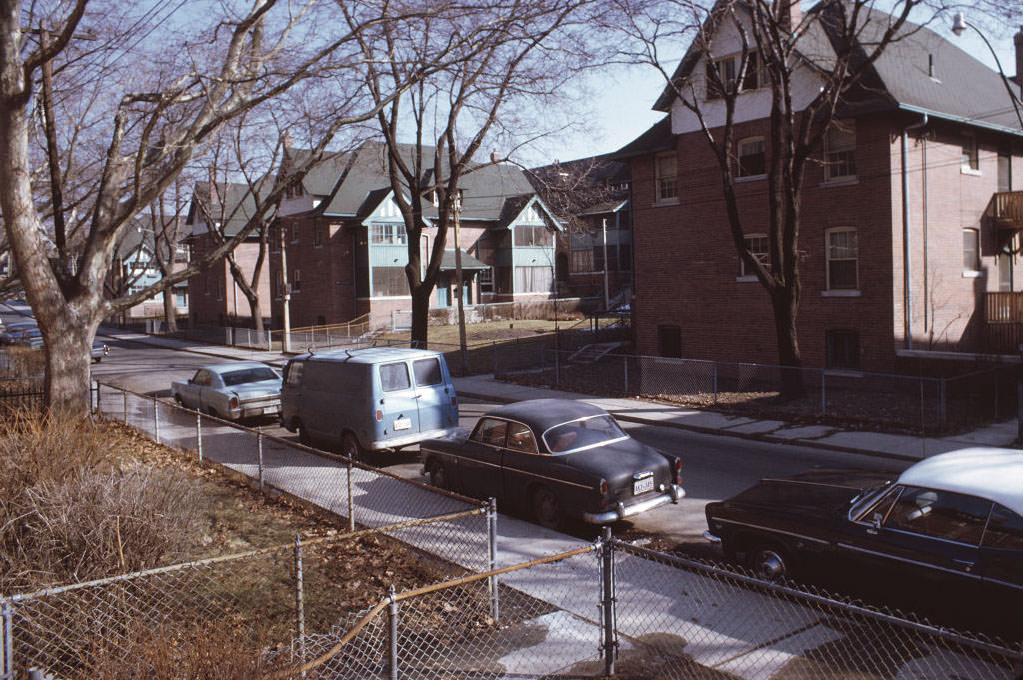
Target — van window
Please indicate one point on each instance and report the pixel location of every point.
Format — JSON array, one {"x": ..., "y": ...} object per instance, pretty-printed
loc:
[
  {"x": 394, "y": 377},
  {"x": 427, "y": 372},
  {"x": 294, "y": 376}
]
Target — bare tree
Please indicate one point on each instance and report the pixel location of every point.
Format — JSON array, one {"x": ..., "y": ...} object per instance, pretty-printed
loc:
[
  {"x": 835, "y": 43},
  {"x": 511, "y": 53},
  {"x": 128, "y": 133}
]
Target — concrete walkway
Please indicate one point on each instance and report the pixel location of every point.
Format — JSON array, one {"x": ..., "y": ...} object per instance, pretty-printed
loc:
[{"x": 903, "y": 447}]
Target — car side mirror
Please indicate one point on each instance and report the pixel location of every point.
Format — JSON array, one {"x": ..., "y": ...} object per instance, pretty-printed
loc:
[{"x": 875, "y": 521}]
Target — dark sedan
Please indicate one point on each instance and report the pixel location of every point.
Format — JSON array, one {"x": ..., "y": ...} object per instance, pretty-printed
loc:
[
  {"x": 556, "y": 459},
  {"x": 950, "y": 523}
]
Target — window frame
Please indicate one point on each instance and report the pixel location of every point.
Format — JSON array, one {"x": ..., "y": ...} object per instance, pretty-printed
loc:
[
  {"x": 739, "y": 156},
  {"x": 660, "y": 179},
  {"x": 829, "y": 259},
  {"x": 971, "y": 265},
  {"x": 831, "y": 154},
  {"x": 970, "y": 159},
  {"x": 763, "y": 257}
]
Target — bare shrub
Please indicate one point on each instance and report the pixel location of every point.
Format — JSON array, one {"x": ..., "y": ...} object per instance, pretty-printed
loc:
[
  {"x": 221, "y": 650},
  {"x": 69, "y": 512}
]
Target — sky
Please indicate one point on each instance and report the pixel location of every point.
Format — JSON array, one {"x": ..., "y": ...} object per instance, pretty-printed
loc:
[{"x": 623, "y": 110}]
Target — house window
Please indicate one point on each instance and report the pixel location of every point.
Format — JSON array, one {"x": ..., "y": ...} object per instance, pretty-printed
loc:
[
  {"x": 526, "y": 235},
  {"x": 669, "y": 341},
  {"x": 279, "y": 285},
  {"x": 757, "y": 245},
  {"x": 842, "y": 349},
  {"x": 1004, "y": 170},
  {"x": 727, "y": 70},
  {"x": 293, "y": 236},
  {"x": 389, "y": 282},
  {"x": 842, "y": 254},
  {"x": 971, "y": 250},
  {"x": 752, "y": 161},
  {"x": 388, "y": 234},
  {"x": 317, "y": 235},
  {"x": 486, "y": 280},
  {"x": 971, "y": 154},
  {"x": 839, "y": 153},
  {"x": 665, "y": 177},
  {"x": 221, "y": 287},
  {"x": 182, "y": 299},
  {"x": 534, "y": 279},
  {"x": 1005, "y": 267},
  {"x": 582, "y": 260},
  {"x": 296, "y": 281}
]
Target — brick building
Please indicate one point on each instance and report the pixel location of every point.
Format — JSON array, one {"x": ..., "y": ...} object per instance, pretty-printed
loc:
[
  {"x": 344, "y": 245},
  {"x": 936, "y": 138},
  {"x": 221, "y": 210}
]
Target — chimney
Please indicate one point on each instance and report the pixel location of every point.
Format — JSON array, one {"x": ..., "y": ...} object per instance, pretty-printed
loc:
[{"x": 1017, "y": 40}]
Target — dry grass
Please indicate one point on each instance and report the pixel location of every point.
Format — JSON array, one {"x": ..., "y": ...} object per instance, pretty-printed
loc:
[{"x": 70, "y": 512}]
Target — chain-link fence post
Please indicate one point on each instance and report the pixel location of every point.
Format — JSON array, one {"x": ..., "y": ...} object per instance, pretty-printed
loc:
[
  {"x": 941, "y": 405},
  {"x": 299, "y": 600},
  {"x": 625, "y": 364},
  {"x": 715, "y": 364},
  {"x": 156, "y": 420},
  {"x": 124, "y": 394},
  {"x": 351, "y": 499},
  {"x": 608, "y": 645},
  {"x": 259, "y": 453},
  {"x": 495, "y": 610},
  {"x": 7, "y": 663},
  {"x": 392, "y": 620},
  {"x": 198, "y": 434}
]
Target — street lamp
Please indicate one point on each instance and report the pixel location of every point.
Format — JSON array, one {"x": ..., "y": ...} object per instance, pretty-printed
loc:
[{"x": 959, "y": 25}]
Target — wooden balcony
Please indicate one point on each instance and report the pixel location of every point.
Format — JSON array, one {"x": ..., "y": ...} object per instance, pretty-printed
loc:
[
  {"x": 1003, "y": 322},
  {"x": 1008, "y": 209}
]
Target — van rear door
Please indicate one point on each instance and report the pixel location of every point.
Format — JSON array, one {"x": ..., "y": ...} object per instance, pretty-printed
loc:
[
  {"x": 435, "y": 393},
  {"x": 399, "y": 410}
]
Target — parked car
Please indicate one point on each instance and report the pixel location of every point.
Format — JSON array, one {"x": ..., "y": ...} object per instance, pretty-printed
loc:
[
  {"x": 13, "y": 332},
  {"x": 242, "y": 389},
  {"x": 557, "y": 459},
  {"x": 950, "y": 523},
  {"x": 371, "y": 399},
  {"x": 100, "y": 350}
]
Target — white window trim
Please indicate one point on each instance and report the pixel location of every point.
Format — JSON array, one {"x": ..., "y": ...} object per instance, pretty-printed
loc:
[
  {"x": 738, "y": 160},
  {"x": 964, "y": 168},
  {"x": 837, "y": 179},
  {"x": 658, "y": 199},
  {"x": 742, "y": 263},
  {"x": 839, "y": 292},
  {"x": 976, "y": 272}
]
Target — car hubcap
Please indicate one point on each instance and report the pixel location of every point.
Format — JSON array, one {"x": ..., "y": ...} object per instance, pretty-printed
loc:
[{"x": 769, "y": 565}]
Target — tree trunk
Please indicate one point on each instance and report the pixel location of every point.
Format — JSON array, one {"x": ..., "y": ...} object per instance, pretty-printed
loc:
[
  {"x": 256, "y": 311},
  {"x": 786, "y": 305},
  {"x": 420, "y": 315},
  {"x": 170, "y": 312},
  {"x": 68, "y": 383}
]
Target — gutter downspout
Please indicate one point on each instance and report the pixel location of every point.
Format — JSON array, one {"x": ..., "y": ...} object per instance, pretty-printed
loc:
[{"x": 907, "y": 296}]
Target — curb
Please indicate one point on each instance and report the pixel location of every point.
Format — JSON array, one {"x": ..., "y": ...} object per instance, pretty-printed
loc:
[{"x": 766, "y": 438}]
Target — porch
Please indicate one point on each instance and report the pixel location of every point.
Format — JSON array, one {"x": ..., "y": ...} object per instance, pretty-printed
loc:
[{"x": 1003, "y": 322}]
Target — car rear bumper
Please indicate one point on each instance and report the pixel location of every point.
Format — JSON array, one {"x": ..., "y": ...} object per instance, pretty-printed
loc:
[
  {"x": 711, "y": 537},
  {"x": 622, "y": 511}
]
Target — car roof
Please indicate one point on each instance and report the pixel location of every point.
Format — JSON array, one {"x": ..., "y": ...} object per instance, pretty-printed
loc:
[
  {"x": 370, "y": 355},
  {"x": 234, "y": 366},
  {"x": 542, "y": 414},
  {"x": 992, "y": 473}
]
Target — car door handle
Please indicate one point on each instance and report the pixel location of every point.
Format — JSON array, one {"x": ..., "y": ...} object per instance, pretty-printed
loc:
[{"x": 965, "y": 564}]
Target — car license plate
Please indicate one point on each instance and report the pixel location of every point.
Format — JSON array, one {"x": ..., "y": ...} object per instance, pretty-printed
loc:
[
  {"x": 269, "y": 410},
  {"x": 642, "y": 484},
  {"x": 402, "y": 424}
]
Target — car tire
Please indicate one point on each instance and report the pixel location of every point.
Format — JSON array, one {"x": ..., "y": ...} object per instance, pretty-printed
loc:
[
  {"x": 351, "y": 448},
  {"x": 769, "y": 562},
  {"x": 439, "y": 475},
  {"x": 303, "y": 435},
  {"x": 547, "y": 509}
]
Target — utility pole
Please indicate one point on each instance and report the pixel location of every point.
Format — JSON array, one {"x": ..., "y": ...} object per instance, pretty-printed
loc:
[
  {"x": 286, "y": 293},
  {"x": 456, "y": 205},
  {"x": 607, "y": 299}
]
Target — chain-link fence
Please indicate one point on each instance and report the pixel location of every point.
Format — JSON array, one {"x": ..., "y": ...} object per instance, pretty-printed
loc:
[
  {"x": 614, "y": 609},
  {"x": 365, "y": 496},
  {"x": 237, "y": 606},
  {"x": 921, "y": 405}
]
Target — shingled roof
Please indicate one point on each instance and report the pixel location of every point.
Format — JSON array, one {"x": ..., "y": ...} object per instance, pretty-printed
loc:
[{"x": 962, "y": 88}]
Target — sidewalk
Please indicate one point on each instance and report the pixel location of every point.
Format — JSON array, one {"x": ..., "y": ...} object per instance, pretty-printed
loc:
[{"x": 902, "y": 447}]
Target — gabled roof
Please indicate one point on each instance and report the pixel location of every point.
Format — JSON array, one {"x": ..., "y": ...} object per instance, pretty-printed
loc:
[
  {"x": 962, "y": 89},
  {"x": 141, "y": 235},
  {"x": 231, "y": 203},
  {"x": 354, "y": 183},
  {"x": 585, "y": 186},
  {"x": 447, "y": 262}
]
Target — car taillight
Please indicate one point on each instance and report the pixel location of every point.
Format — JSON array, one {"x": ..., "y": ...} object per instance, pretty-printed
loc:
[
  {"x": 233, "y": 403},
  {"x": 603, "y": 487},
  {"x": 380, "y": 416},
  {"x": 678, "y": 470}
]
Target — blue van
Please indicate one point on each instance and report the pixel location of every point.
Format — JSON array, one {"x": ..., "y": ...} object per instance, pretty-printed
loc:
[{"x": 368, "y": 399}]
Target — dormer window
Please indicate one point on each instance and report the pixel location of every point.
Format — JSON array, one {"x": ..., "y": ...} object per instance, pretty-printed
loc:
[{"x": 727, "y": 70}]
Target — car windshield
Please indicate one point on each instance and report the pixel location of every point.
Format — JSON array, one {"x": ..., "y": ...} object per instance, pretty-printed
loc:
[
  {"x": 582, "y": 434},
  {"x": 247, "y": 375}
]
